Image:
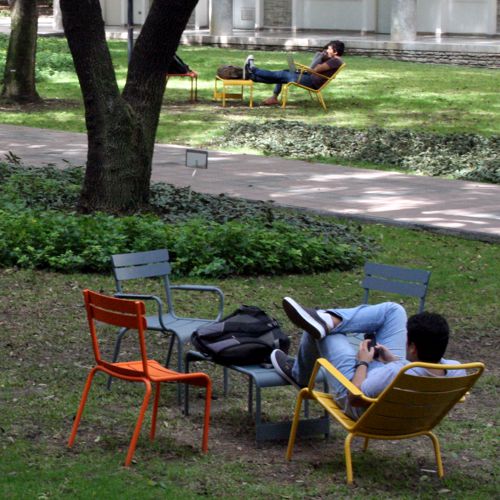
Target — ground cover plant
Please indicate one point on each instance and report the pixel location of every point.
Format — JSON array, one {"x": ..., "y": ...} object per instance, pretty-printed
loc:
[
  {"x": 461, "y": 156},
  {"x": 431, "y": 99},
  {"x": 216, "y": 237},
  {"x": 47, "y": 355}
]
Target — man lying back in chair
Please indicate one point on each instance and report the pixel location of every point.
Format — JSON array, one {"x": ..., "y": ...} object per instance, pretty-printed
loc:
[
  {"x": 423, "y": 337},
  {"x": 327, "y": 63}
]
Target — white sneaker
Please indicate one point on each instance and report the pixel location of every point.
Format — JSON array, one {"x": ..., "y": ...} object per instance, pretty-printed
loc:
[
  {"x": 305, "y": 318},
  {"x": 247, "y": 68}
]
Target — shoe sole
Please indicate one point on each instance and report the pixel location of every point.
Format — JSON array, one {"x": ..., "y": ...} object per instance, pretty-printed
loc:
[
  {"x": 245, "y": 75},
  {"x": 278, "y": 369},
  {"x": 298, "y": 316}
]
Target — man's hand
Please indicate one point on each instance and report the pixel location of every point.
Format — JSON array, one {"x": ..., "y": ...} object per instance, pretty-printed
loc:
[
  {"x": 364, "y": 353},
  {"x": 385, "y": 355}
]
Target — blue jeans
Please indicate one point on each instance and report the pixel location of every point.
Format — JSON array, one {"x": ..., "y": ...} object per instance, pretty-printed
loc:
[
  {"x": 280, "y": 77},
  {"x": 386, "y": 320}
]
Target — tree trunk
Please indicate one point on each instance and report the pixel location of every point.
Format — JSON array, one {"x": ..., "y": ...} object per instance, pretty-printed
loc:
[
  {"x": 19, "y": 76},
  {"x": 121, "y": 128}
]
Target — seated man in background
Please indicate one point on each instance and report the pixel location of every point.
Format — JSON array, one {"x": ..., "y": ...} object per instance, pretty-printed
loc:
[
  {"x": 423, "y": 337},
  {"x": 325, "y": 63}
]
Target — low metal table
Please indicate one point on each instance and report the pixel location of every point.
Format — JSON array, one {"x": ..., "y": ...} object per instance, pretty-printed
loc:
[
  {"x": 262, "y": 377},
  {"x": 227, "y": 93}
]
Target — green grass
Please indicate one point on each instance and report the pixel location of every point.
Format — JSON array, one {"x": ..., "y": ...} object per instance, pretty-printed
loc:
[
  {"x": 46, "y": 356},
  {"x": 46, "y": 351},
  {"x": 437, "y": 98}
]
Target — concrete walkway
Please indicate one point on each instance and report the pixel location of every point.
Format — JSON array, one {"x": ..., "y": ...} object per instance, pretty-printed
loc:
[{"x": 469, "y": 209}]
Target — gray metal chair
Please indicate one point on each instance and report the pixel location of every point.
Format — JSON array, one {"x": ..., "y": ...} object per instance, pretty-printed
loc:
[
  {"x": 156, "y": 264},
  {"x": 393, "y": 279}
]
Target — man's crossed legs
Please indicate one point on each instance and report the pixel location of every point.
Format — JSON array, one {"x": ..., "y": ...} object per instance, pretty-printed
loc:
[{"x": 325, "y": 336}]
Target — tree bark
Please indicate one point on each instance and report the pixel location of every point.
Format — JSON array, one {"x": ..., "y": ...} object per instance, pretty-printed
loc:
[
  {"x": 121, "y": 128},
  {"x": 19, "y": 76}
]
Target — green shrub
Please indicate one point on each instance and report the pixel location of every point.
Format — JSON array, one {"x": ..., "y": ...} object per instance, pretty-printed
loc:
[
  {"x": 39, "y": 229},
  {"x": 461, "y": 156},
  {"x": 70, "y": 242}
]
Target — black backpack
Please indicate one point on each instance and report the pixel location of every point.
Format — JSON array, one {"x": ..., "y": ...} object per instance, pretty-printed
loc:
[
  {"x": 245, "y": 337},
  {"x": 230, "y": 72}
]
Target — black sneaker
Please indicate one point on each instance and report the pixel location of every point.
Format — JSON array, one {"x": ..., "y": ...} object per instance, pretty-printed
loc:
[
  {"x": 283, "y": 365},
  {"x": 305, "y": 318},
  {"x": 247, "y": 68}
]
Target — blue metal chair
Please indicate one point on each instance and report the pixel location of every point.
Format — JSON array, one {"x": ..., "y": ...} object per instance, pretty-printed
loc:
[
  {"x": 395, "y": 279},
  {"x": 156, "y": 264},
  {"x": 392, "y": 279}
]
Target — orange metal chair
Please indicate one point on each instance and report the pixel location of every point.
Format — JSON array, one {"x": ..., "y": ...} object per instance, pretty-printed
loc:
[
  {"x": 410, "y": 406},
  {"x": 131, "y": 315}
]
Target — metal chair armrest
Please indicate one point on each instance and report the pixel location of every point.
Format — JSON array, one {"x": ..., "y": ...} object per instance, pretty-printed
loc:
[
  {"x": 302, "y": 67},
  {"x": 204, "y": 288},
  {"x": 355, "y": 391},
  {"x": 140, "y": 296}
]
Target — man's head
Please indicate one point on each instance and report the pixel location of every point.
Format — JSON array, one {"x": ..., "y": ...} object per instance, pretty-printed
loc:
[
  {"x": 335, "y": 47},
  {"x": 428, "y": 335}
]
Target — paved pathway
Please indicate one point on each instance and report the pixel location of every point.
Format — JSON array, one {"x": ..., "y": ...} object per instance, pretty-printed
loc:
[{"x": 467, "y": 208}]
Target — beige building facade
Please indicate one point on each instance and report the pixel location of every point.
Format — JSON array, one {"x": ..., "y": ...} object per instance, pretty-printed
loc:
[{"x": 436, "y": 17}]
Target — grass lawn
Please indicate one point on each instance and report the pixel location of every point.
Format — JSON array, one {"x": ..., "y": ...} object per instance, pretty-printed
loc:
[
  {"x": 370, "y": 92},
  {"x": 46, "y": 353},
  {"x": 46, "y": 356}
]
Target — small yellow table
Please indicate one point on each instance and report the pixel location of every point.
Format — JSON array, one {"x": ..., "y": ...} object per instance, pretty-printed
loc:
[{"x": 224, "y": 94}]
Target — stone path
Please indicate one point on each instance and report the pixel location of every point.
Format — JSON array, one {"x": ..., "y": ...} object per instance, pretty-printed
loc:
[{"x": 469, "y": 209}]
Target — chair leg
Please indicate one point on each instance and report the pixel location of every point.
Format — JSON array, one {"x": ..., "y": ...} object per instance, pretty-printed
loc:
[
  {"x": 169, "y": 352},
  {"x": 81, "y": 406},
  {"x": 365, "y": 445},
  {"x": 437, "y": 452},
  {"x": 180, "y": 368},
  {"x": 206, "y": 418},
  {"x": 284, "y": 96},
  {"x": 295, "y": 424},
  {"x": 348, "y": 458},
  {"x": 321, "y": 100},
  {"x": 138, "y": 425},
  {"x": 155, "y": 411}
]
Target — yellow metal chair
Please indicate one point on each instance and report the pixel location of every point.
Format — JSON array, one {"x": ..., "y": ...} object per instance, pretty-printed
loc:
[
  {"x": 302, "y": 69},
  {"x": 411, "y": 406}
]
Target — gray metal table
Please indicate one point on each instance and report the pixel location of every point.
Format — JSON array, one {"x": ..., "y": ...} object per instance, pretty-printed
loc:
[{"x": 263, "y": 377}]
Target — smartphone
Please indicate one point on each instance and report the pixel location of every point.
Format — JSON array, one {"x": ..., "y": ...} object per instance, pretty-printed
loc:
[{"x": 372, "y": 343}]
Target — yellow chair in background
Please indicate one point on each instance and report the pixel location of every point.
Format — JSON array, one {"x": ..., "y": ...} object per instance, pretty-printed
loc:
[
  {"x": 409, "y": 407},
  {"x": 302, "y": 68}
]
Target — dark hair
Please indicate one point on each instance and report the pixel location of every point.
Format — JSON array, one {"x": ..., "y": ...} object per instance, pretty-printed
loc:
[
  {"x": 337, "y": 45},
  {"x": 430, "y": 334}
]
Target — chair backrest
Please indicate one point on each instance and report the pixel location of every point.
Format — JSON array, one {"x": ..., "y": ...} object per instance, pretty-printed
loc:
[
  {"x": 140, "y": 265},
  {"x": 116, "y": 312},
  {"x": 331, "y": 78},
  {"x": 394, "y": 279},
  {"x": 415, "y": 404}
]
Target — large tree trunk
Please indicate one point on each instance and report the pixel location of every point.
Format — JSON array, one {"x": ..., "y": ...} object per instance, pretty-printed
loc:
[
  {"x": 19, "y": 77},
  {"x": 121, "y": 128}
]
